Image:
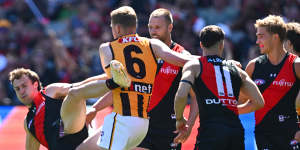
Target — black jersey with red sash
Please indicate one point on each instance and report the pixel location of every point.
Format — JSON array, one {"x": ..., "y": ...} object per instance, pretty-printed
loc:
[
  {"x": 279, "y": 87},
  {"x": 45, "y": 124},
  {"x": 217, "y": 90},
  {"x": 161, "y": 105},
  {"x": 42, "y": 119}
]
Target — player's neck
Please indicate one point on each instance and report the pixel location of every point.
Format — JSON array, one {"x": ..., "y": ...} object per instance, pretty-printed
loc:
[
  {"x": 168, "y": 42},
  {"x": 276, "y": 55},
  {"x": 35, "y": 96},
  {"x": 210, "y": 52},
  {"x": 125, "y": 34},
  {"x": 127, "y": 31}
]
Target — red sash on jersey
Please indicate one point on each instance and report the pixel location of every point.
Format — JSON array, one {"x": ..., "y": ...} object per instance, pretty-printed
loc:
[
  {"x": 39, "y": 118},
  {"x": 163, "y": 80},
  {"x": 208, "y": 76},
  {"x": 282, "y": 84}
]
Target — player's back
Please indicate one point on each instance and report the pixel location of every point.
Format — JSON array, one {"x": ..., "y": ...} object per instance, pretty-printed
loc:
[
  {"x": 217, "y": 90},
  {"x": 135, "y": 53}
]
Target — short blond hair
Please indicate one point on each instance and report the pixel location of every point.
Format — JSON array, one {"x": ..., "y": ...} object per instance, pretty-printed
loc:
[
  {"x": 273, "y": 24},
  {"x": 19, "y": 72},
  {"x": 124, "y": 16},
  {"x": 162, "y": 12}
]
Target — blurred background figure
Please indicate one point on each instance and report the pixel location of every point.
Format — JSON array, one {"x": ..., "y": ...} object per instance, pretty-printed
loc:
[{"x": 70, "y": 52}]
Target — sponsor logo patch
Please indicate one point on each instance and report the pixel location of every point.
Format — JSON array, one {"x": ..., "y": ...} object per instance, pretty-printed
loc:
[{"x": 259, "y": 81}]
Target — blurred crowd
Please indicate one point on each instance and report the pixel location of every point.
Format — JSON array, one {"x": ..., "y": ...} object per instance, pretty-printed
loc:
[{"x": 63, "y": 46}]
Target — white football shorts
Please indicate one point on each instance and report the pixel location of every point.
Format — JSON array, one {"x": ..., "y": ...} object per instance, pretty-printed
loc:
[{"x": 122, "y": 132}]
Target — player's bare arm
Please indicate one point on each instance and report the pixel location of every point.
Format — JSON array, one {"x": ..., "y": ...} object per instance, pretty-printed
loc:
[
  {"x": 161, "y": 50},
  {"x": 190, "y": 70},
  {"x": 250, "y": 68},
  {"x": 105, "y": 54},
  {"x": 236, "y": 63},
  {"x": 102, "y": 103},
  {"x": 194, "y": 110},
  {"x": 249, "y": 89},
  {"x": 188, "y": 77},
  {"x": 244, "y": 100},
  {"x": 31, "y": 142},
  {"x": 193, "y": 114}
]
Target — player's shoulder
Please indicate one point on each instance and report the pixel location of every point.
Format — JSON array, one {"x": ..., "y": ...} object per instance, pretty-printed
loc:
[
  {"x": 251, "y": 65},
  {"x": 192, "y": 64},
  {"x": 155, "y": 41},
  {"x": 104, "y": 45},
  {"x": 143, "y": 38},
  {"x": 105, "y": 50},
  {"x": 262, "y": 59},
  {"x": 258, "y": 59}
]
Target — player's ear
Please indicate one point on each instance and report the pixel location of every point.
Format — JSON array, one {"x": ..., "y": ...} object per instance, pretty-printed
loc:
[
  {"x": 118, "y": 28},
  {"x": 201, "y": 45},
  {"x": 170, "y": 28},
  {"x": 36, "y": 84},
  {"x": 276, "y": 36},
  {"x": 221, "y": 45}
]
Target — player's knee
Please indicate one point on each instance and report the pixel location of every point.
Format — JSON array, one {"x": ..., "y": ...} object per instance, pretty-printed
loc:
[{"x": 74, "y": 93}]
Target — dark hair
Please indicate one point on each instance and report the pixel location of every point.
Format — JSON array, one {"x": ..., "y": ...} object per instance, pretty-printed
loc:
[
  {"x": 19, "y": 72},
  {"x": 210, "y": 35},
  {"x": 293, "y": 34}
]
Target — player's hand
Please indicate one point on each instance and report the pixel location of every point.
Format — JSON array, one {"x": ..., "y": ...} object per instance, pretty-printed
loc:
[
  {"x": 90, "y": 116},
  {"x": 297, "y": 136},
  {"x": 182, "y": 130},
  {"x": 184, "y": 135},
  {"x": 238, "y": 64}
]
